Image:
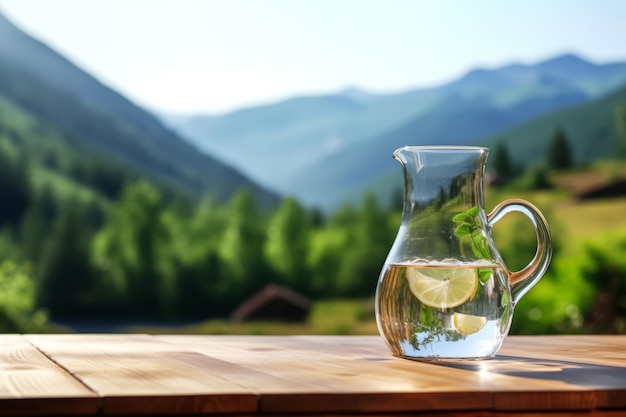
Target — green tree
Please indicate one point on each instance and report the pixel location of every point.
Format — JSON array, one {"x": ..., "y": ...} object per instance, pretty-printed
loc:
[
  {"x": 327, "y": 246},
  {"x": 397, "y": 199},
  {"x": 604, "y": 266},
  {"x": 37, "y": 224},
  {"x": 324, "y": 259},
  {"x": 241, "y": 250},
  {"x": 287, "y": 244},
  {"x": 559, "y": 153},
  {"x": 195, "y": 247},
  {"x": 502, "y": 164},
  {"x": 18, "y": 311},
  {"x": 620, "y": 128},
  {"x": 369, "y": 240},
  {"x": 65, "y": 278},
  {"x": 14, "y": 189},
  {"x": 132, "y": 254},
  {"x": 537, "y": 178}
]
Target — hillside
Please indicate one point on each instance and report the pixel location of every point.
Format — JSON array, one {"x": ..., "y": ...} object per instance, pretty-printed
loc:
[
  {"x": 590, "y": 129},
  {"x": 477, "y": 110},
  {"x": 326, "y": 149},
  {"x": 98, "y": 121}
]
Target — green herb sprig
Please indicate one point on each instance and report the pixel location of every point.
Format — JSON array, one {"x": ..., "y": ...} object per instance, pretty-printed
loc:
[{"x": 470, "y": 226}]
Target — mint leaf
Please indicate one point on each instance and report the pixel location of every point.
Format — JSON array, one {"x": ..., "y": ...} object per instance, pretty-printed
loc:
[
  {"x": 463, "y": 218},
  {"x": 470, "y": 225},
  {"x": 484, "y": 274},
  {"x": 463, "y": 230}
]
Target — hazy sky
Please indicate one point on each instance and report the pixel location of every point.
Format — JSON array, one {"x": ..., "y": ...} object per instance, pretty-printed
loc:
[{"x": 218, "y": 55}]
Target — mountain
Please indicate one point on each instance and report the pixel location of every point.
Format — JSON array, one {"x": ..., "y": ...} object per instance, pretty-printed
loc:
[
  {"x": 42, "y": 84},
  {"x": 326, "y": 149},
  {"x": 589, "y": 128}
]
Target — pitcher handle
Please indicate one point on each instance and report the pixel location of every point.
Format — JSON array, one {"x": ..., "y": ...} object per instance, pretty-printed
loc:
[{"x": 522, "y": 281}]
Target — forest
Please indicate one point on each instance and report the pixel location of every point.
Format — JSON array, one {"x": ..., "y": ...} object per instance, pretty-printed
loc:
[{"x": 131, "y": 249}]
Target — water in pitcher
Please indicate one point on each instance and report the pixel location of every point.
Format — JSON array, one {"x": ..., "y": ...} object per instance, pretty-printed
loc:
[{"x": 447, "y": 309}]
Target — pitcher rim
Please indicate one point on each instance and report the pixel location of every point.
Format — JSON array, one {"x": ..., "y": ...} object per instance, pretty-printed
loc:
[
  {"x": 483, "y": 150},
  {"x": 443, "y": 148}
]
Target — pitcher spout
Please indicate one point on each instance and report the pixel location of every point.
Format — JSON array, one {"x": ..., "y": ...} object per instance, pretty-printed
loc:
[
  {"x": 408, "y": 155},
  {"x": 441, "y": 175}
]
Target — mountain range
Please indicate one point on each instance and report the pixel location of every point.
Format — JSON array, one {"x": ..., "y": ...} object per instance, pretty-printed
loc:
[
  {"x": 326, "y": 149},
  {"x": 329, "y": 149},
  {"x": 40, "y": 85}
]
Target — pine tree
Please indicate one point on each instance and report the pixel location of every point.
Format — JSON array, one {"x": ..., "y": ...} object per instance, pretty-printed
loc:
[
  {"x": 502, "y": 161},
  {"x": 620, "y": 127},
  {"x": 559, "y": 154},
  {"x": 66, "y": 280},
  {"x": 14, "y": 189}
]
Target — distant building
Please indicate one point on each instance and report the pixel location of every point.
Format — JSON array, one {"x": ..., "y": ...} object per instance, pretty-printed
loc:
[
  {"x": 613, "y": 189},
  {"x": 273, "y": 303}
]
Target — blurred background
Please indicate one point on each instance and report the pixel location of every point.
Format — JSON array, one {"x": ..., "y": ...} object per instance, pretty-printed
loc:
[{"x": 225, "y": 166}]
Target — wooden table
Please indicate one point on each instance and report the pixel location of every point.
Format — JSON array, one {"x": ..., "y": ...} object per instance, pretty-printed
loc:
[{"x": 129, "y": 375}]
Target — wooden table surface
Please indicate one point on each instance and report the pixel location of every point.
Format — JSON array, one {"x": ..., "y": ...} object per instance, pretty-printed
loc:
[{"x": 116, "y": 374}]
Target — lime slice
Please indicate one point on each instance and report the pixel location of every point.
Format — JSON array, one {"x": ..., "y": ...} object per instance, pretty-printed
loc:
[
  {"x": 442, "y": 287},
  {"x": 468, "y": 324}
]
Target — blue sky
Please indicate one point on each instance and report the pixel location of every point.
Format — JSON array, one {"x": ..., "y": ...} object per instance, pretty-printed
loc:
[{"x": 214, "y": 56}]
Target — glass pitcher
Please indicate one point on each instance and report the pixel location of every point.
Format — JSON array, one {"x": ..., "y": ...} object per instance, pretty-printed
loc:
[{"x": 444, "y": 291}]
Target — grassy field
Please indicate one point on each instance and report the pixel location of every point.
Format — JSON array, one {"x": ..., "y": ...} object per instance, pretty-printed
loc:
[
  {"x": 339, "y": 317},
  {"x": 585, "y": 219},
  {"x": 571, "y": 220}
]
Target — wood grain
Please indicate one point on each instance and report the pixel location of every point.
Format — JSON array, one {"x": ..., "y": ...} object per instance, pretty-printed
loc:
[
  {"x": 30, "y": 383},
  {"x": 137, "y": 374},
  {"x": 368, "y": 378},
  {"x": 294, "y": 375}
]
